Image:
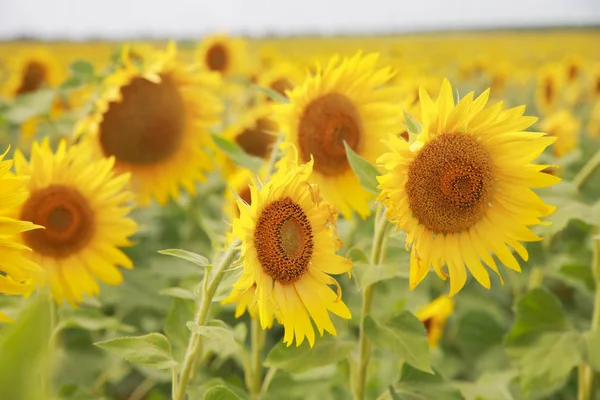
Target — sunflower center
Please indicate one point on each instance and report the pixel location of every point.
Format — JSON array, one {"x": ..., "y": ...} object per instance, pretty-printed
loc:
[
  {"x": 216, "y": 58},
  {"x": 326, "y": 123},
  {"x": 281, "y": 85},
  {"x": 258, "y": 140},
  {"x": 549, "y": 90},
  {"x": 34, "y": 76},
  {"x": 449, "y": 183},
  {"x": 284, "y": 241},
  {"x": 67, "y": 217},
  {"x": 147, "y": 126}
]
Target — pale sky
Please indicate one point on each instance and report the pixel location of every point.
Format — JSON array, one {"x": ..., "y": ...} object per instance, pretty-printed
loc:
[{"x": 124, "y": 19}]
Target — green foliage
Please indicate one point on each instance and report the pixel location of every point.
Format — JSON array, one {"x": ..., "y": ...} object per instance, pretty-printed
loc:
[
  {"x": 365, "y": 171},
  {"x": 188, "y": 256},
  {"x": 221, "y": 393},
  {"x": 417, "y": 385},
  {"x": 404, "y": 335},
  {"x": 303, "y": 358},
  {"x": 272, "y": 94},
  {"x": 30, "y": 105},
  {"x": 152, "y": 350},
  {"x": 237, "y": 154},
  {"x": 414, "y": 127},
  {"x": 24, "y": 352}
]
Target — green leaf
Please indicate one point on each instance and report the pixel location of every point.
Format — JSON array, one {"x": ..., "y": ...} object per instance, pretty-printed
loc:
[
  {"x": 187, "y": 255},
  {"x": 417, "y": 385},
  {"x": 404, "y": 335},
  {"x": 365, "y": 171},
  {"x": 490, "y": 386},
  {"x": 238, "y": 155},
  {"x": 24, "y": 352},
  {"x": 414, "y": 127},
  {"x": 593, "y": 349},
  {"x": 216, "y": 331},
  {"x": 221, "y": 393},
  {"x": 537, "y": 311},
  {"x": 546, "y": 362},
  {"x": 82, "y": 68},
  {"x": 573, "y": 210},
  {"x": 478, "y": 331},
  {"x": 272, "y": 94},
  {"x": 294, "y": 359},
  {"x": 175, "y": 326},
  {"x": 152, "y": 350},
  {"x": 177, "y": 292},
  {"x": 30, "y": 105},
  {"x": 90, "y": 320}
]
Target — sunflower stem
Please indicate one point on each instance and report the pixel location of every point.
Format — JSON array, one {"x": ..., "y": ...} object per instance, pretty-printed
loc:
[
  {"x": 258, "y": 339},
  {"x": 364, "y": 346},
  {"x": 267, "y": 381},
  {"x": 586, "y": 379},
  {"x": 587, "y": 170},
  {"x": 194, "y": 344}
]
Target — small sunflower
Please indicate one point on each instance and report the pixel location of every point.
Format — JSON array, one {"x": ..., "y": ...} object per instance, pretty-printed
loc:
[
  {"x": 223, "y": 54},
  {"x": 345, "y": 102},
  {"x": 83, "y": 206},
  {"x": 593, "y": 126},
  {"x": 154, "y": 119},
  {"x": 282, "y": 77},
  {"x": 31, "y": 69},
  {"x": 565, "y": 127},
  {"x": 18, "y": 273},
  {"x": 463, "y": 187},
  {"x": 550, "y": 83},
  {"x": 255, "y": 132},
  {"x": 434, "y": 316},
  {"x": 288, "y": 247}
]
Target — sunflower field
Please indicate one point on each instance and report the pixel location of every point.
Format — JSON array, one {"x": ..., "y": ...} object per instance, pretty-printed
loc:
[{"x": 394, "y": 218}]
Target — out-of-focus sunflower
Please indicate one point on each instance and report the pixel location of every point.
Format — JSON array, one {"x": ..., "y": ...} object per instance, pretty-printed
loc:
[
  {"x": 594, "y": 82},
  {"x": 83, "y": 205},
  {"x": 434, "y": 316},
  {"x": 345, "y": 102},
  {"x": 463, "y": 187},
  {"x": 288, "y": 247},
  {"x": 223, "y": 54},
  {"x": 29, "y": 70},
  {"x": 154, "y": 118},
  {"x": 593, "y": 126},
  {"x": 565, "y": 127},
  {"x": 550, "y": 82},
  {"x": 255, "y": 132},
  {"x": 239, "y": 184},
  {"x": 281, "y": 77},
  {"x": 18, "y": 274}
]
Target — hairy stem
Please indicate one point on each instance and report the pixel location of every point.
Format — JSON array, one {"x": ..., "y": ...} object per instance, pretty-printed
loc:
[
  {"x": 378, "y": 249},
  {"x": 194, "y": 344}
]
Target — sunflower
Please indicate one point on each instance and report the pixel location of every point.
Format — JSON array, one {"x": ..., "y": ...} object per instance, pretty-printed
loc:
[
  {"x": 565, "y": 127},
  {"x": 223, "y": 54},
  {"x": 345, "y": 102},
  {"x": 239, "y": 186},
  {"x": 550, "y": 83},
  {"x": 255, "y": 132},
  {"x": 154, "y": 118},
  {"x": 31, "y": 69},
  {"x": 282, "y": 77},
  {"x": 83, "y": 206},
  {"x": 593, "y": 126},
  {"x": 18, "y": 273},
  {"x": 434, "y": 316},
  {"x": 463, "y": 187},
  {"x": 288, "y": 247}
]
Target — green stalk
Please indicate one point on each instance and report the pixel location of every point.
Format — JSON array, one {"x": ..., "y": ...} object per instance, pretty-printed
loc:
[
  {"x": 195, "y": 342},
  {"x": 586, "y": 373},
  {"x": 382, "y": 228},
  {"x": 587, "y": 170},
  {"x": 258, "y": 341}
]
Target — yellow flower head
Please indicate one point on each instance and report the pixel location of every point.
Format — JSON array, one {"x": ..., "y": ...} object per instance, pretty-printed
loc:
[
  {"x": 345, "y": 102},
  {"x": 288, "y": 248},
  {"x": 434, "y": 316},
  {"x": 565, "y": 127},
  {"x": 154, "y": 118},
  {"x": 31, "y": 69},
  {"x": 550, "y": 85},
  {"x": 463, "y": 187},
  {"x": 282, "y": 77},
  {"x": 18, "y": 274},
  {"x": 83, "y": 206},
  {"x": 223, "y": 54}
]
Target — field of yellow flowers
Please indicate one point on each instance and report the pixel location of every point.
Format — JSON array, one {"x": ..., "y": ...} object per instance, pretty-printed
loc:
[{"x": 407, "y": 217}]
